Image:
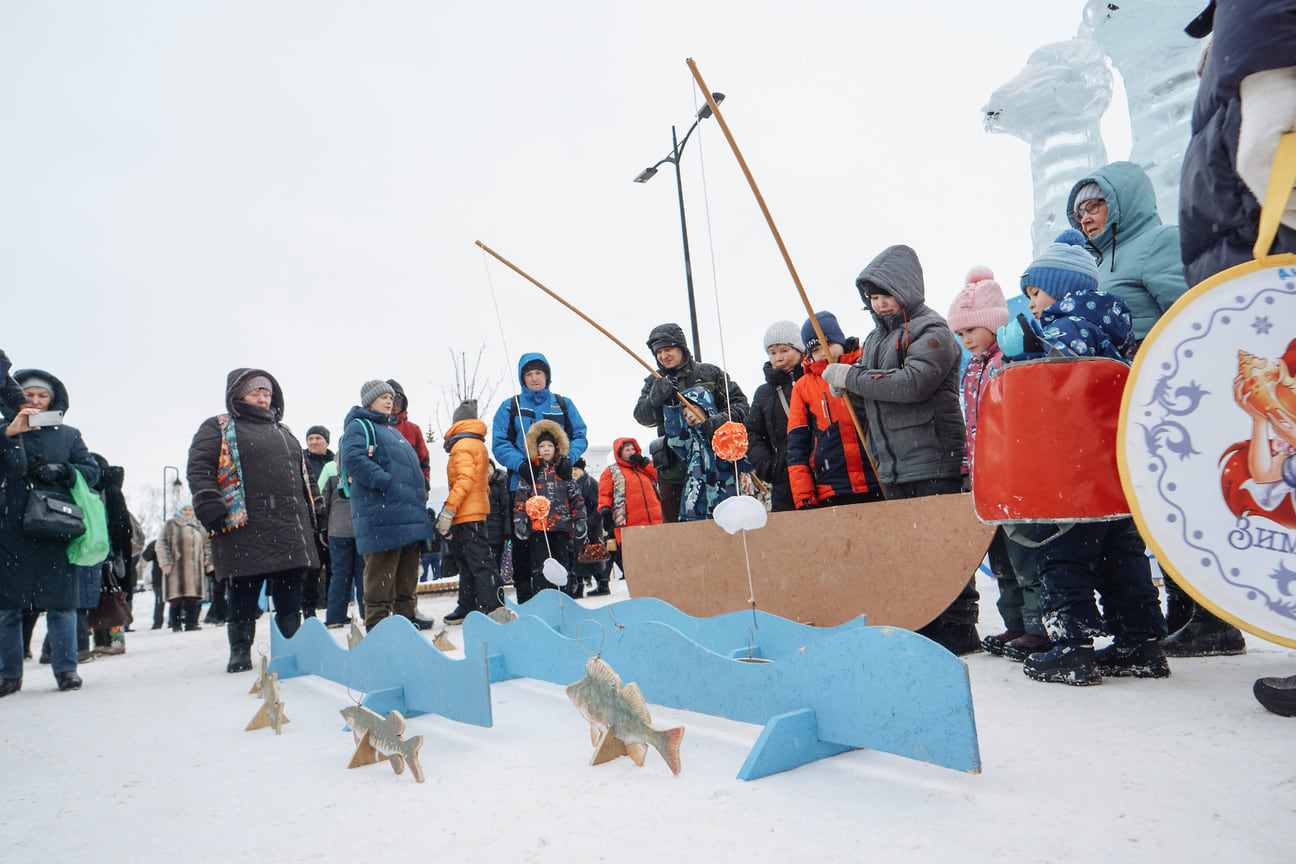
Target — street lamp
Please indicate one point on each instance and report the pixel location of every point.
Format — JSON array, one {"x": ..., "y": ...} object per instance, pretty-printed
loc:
[
  {"x": 677, "y": 147},
  {"x": 166, "y": 514}
]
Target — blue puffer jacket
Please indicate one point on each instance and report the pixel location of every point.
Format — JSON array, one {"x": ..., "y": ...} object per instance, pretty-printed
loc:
[
  {"x": 1218, "y": 215},
  {"x": 1138, "y": 257},
  {"x": 510, "y": 425},
  {"x": 388, "y": 498}
]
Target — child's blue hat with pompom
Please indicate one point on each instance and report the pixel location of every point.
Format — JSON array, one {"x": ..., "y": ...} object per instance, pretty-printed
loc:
[{"x": 1064, "y": 267}]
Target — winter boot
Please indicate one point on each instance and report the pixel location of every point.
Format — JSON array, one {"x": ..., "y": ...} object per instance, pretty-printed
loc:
[
  {"x": 1064, "y": 665},
  {"x": 1276, "y": 694},
  {"x": 1024, "y": 646},
  {"x": 1179, "y": 606},
  {"x": 191, "y": 617},
  {"x": 1204, "y": 636},
  {"x": 958, "y": 638},
  {"x": 177, "y": 618},
  {"x": 996, "y": 644},
  {"x": 69, "y": 680},
  {"x": 601, "y": 590},
  {"x": 241, "y": 636},
  {"x": 13, "y": 685},
  {"x": 1142, "y": 660}
]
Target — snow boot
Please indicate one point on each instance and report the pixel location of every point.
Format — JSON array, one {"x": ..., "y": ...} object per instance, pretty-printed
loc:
[
  {"x": 177, "y": 619},
  {"x": 241, "y": 634},
  {"x": 602, "y": 589},
  {"x": 69, "y": 680},
  {"x": 288, "y": 624},
  {"x": 1276, "y": 694},
  {"x": 1064, "y": 665},
  {"x": 1179, "y": 606},
  {"x": 958, "y": 638},
  {"x": 13, "y": 685},
  {"x": 457, "y": 616},
  {"x": 1204, "y": 636},
  {"x": 996, "y": 644},
  {"x": 1024, "y": 646},
  {"x": 191, "y": 617},
  {"x": 1144, "y": 660}
]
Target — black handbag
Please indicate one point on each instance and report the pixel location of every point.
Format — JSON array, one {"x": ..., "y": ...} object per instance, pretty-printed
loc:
[
  {"x": 51, "y": 514},
  {"x": 113, "y": 610}
]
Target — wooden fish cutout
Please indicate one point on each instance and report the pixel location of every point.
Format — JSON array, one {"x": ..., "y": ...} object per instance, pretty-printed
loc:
[
  {"x": 378, "y": 738},
  {"x": 442, "y": 641},
  {"x": 263, "y": 677},
  {"x": 502, "y": 615},
  {"x": 619, "y": 720},
  {"x": 271, "y": 712},
  {"x": 354, "y": 635}
]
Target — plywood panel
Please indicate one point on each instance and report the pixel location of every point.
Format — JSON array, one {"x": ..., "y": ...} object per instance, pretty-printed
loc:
[{"x": 899, "y": 563}]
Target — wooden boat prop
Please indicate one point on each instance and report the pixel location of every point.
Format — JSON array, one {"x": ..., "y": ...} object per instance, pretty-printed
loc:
[{"x": 899, "y": 563}]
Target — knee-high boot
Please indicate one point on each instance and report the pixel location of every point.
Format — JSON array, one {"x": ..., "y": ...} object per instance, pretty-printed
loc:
[{"x": 241, "y": 636}]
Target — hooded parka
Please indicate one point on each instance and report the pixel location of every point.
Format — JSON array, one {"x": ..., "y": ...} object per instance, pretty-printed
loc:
[
  {"x": 905, "y": 384},
  {"x": 281, "y": 503},
  {"x": 34, "y": 572}
]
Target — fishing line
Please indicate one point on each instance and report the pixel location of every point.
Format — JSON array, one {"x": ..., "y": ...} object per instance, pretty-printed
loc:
[
  {"x": 499, "y": 322},
  {"x": 724, "y": 360}
]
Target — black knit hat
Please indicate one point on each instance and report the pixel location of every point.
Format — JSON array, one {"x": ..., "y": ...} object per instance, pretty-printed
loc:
[
  {"x": 318, "y": 430},
  {"x": 546, "y": 435}
]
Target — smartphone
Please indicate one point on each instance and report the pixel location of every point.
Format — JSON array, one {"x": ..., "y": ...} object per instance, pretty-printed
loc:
[{"x": 46, "y": 418}]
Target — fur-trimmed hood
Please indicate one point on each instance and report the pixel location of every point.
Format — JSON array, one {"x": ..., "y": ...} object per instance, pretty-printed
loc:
[{"x": 563, "y": 444}]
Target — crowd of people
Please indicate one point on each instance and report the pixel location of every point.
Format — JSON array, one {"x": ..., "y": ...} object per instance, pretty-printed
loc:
[{"x": 839, "y": 420}]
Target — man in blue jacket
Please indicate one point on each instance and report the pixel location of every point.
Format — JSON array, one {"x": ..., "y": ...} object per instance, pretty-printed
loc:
[{"x": 515, "y": 416}]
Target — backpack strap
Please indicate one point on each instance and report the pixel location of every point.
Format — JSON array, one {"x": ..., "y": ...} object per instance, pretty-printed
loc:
[{"x": 562, "y": 402}]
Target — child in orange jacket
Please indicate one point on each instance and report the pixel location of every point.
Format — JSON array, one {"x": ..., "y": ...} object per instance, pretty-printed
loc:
[{"x": 464, "y": 515}]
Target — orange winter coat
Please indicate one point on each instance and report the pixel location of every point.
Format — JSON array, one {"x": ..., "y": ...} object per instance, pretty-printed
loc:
[
  {"x": 468, "y": 471},
  {"x": 641, "y": 504},
  {"x": 824, "y": 455}
]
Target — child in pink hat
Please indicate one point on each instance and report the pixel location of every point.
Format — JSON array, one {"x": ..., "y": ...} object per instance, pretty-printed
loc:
[{"x": 976, "y": 313}]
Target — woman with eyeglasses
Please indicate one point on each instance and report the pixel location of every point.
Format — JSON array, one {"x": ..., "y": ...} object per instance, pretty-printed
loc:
[{"x": 1138, "y": 257}]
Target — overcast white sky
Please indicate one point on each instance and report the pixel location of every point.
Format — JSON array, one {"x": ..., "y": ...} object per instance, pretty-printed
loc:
[{"x": 187, "y": 188}]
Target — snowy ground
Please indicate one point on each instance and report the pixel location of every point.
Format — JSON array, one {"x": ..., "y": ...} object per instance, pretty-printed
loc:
[{"x": 149, "y": 762}]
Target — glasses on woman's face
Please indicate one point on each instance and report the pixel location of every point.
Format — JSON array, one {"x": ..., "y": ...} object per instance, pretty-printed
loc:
[{"x": 1090, "y": 207}]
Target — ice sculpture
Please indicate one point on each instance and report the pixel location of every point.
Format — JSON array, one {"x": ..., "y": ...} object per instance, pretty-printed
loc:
[
  {"x": 1157, "y": 62},
  {"x": 1054, "y": 105}
]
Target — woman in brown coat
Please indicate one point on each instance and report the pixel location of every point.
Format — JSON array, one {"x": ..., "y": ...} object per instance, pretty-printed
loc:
[{"x": 184, "y": 554}]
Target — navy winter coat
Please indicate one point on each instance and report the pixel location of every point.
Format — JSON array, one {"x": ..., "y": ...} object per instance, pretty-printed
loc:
[
  {"x": 35, "y": 572},
  {"x": 767, "y": 431},
  {"x": 1218, "y": 215},
  {"x": 388, "y": 498}
]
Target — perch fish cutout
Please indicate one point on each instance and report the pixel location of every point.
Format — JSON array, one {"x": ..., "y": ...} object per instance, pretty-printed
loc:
[
  {"x": 396, "y": 666},
  {"x": 378, "y": 738},
  {"x": 271, "y": 712},
  {"x": 879, "y": 688},
  {"x": 620, "y": 723}
]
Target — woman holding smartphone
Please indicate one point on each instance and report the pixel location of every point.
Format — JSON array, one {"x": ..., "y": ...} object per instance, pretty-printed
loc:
[{"x": 38, "y": 450}]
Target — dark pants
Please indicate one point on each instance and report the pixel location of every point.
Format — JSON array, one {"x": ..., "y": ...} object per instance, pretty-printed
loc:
[
  {"x": 671, "y": 494},
  {"x": 966, "y": 608},
  {"x": 346, "y": 581},
  {"x": 1013, "y": 565},
  {"x": 478, "y": 573},
  {"x": 219, "y": 611},
  {"x": 158, "y": 603},
  {"x": 537, "y": 551},
  {"x": 1107, "y": 557},
  {"x": 284, "y": 588},
  {"x": 311, "y": 591},
  {"x": 522, "y": 570},
  {"x": 390, "y": 580}
]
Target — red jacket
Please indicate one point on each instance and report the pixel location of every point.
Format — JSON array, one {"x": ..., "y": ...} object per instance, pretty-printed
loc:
[
  {"x": 641, "y": 504},
  {"x": 824, "y": 455},
  {"x": 410, "y": 432}
]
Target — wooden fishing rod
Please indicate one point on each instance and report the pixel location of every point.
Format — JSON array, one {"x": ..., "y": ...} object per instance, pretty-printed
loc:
[
  {"x": 693, "y": 409},
  {"x": 787, "y": 259}
]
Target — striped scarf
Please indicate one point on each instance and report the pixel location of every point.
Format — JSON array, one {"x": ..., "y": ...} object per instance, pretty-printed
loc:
[{"x": 618, "y": 495}]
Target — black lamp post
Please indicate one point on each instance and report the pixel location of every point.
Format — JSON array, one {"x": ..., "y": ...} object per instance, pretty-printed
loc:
[
  {"x": 166, "y": 514},
  {"x": 677, "y": 147}
]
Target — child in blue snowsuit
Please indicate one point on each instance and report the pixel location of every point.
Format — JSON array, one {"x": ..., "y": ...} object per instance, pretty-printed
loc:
[{"x": 1078, "y": 319}]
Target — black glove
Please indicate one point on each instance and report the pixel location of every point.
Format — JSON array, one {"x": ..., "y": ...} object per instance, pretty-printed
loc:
[
  {"x": 609, "y": 524},
  {"x": 54, "y": 474},
  {"x": 712, "y": 424},
  {"x": 563, "y": 468},
  {"x": 211, "y": 514},
  {"x": 641, "y": 460},
  {"x": 663, "y": 390}
]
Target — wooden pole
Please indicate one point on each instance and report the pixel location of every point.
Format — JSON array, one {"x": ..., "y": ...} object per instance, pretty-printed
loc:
[
  {"x": 787, "y": 259},
  {"x": 689, "y": 406}
]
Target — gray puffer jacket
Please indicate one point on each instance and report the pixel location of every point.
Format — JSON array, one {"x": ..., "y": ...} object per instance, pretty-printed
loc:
[{"x": 905, "y": 384}]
